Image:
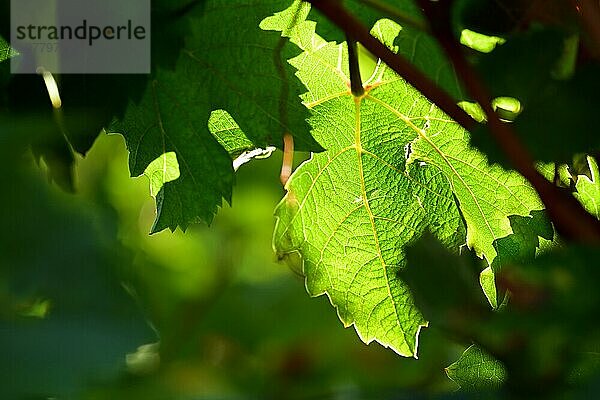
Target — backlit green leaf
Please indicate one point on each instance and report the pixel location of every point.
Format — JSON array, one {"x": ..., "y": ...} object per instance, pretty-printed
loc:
[
  {"x": 395, "y": 166},
  {"x": 478, "y": 41},
  {"x": 588, "y": 190},
  {"x": 162, "y": 170}
]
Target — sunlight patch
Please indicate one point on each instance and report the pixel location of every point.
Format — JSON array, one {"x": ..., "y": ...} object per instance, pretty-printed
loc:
[
  {"x": 162, "y": 170},
  {"x": 229, "y": 135},
  {"x": 480, "y": 42}
]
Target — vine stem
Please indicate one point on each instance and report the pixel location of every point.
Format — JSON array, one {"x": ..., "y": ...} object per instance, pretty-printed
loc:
[{"x": 569, "y": 218}]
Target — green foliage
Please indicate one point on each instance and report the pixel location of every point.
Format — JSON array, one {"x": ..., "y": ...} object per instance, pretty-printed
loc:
[
  {"x": 65, "y": 317},
  {"x": 90, "y": 102},
  {"x": 396, "y": 216},
  {"x": 480, "y": 42},
  {"x": 477, "y": 370},
  {"x": 215, "y": 71},
  {"x": 543, "y": 331},
  {"x": 588, "y": 188},
  {"x": 399, "y": 166}
]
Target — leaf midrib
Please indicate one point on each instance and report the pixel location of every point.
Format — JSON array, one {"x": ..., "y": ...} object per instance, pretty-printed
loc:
[{"x": 359, "y": 152}]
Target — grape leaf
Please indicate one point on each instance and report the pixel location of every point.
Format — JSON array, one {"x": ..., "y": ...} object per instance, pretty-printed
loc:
[
  {"x": 588, "y": 189},
  {"x": 234, "y": 141},
  {"x": 477, "y": 370},
  {"x": 230, "y": 64},
  {"x": 228, "y": 133},
  {"x": 395, "y": 166}
]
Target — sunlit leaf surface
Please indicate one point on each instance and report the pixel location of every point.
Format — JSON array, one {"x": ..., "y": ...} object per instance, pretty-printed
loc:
[{"x": 395, "y": 166}]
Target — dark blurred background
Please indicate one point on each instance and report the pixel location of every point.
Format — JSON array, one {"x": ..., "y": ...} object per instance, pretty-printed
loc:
[{"x": 93, "y": 307}]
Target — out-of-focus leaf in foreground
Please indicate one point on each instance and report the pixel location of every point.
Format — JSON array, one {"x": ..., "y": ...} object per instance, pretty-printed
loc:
[
  {"x": 65, "y": 317},
  {"x": 477, "y": 370}
]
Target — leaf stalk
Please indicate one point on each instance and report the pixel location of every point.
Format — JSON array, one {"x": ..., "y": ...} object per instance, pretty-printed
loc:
[{"x": 355, "y": 80}]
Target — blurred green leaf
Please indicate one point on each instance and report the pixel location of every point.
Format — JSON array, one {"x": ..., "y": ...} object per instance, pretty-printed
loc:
[
  {"x": 90, "y": 102},
  {"x": 477, "y": 370},
  {"x": 480, "y": 42},
  {"x": 65, "y": 317}
]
